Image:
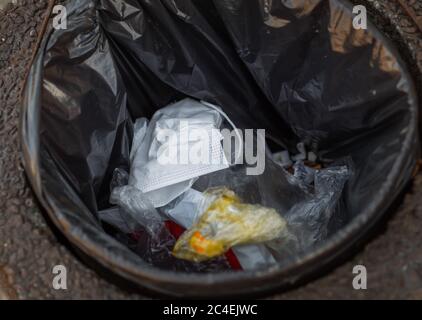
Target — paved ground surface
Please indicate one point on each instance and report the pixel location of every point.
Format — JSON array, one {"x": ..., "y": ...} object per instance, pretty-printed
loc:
[{"x": 29, "y": 250}]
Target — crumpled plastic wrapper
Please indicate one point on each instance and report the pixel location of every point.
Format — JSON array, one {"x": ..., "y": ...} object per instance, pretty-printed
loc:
[
  {"x": 309, "y": 221},
  {"x": 227, "y": 222}
]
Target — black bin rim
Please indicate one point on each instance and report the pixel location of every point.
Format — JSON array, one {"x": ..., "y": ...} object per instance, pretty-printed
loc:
[{"x": 245, "y": 283}]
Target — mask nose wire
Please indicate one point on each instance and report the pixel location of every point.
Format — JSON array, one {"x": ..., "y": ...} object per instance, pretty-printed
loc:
[{"x": 236, "y": 130}]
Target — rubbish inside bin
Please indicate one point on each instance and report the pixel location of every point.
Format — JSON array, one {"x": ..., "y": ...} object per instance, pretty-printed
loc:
[
  {"x": 138, "y": 225},
  {"x": 159, "y": 168},
  {"x": 217, "y": 220},
  {"x": 337, "y": 105},
  {"x": 187, "y": 210},
  {"x": 225, "y": 223}
]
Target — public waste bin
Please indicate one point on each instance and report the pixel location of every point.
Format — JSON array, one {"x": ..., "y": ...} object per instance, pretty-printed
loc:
[{"x": 300, "y": 70}]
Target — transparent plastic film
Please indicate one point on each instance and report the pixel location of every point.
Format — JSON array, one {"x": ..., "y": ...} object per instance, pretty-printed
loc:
[
  {"x": 227, "y": 222},
  {"x": 309, "y": 220}
]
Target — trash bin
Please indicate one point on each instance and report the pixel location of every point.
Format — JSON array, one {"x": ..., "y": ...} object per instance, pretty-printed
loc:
[{"x": 298, "y": 69}]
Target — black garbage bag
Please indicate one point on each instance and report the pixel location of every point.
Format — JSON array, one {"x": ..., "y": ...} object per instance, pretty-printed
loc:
[{"x": 297, "y": 69}]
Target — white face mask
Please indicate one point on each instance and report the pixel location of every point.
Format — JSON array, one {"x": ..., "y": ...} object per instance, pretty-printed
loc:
[{"x": 182, "y": 143}]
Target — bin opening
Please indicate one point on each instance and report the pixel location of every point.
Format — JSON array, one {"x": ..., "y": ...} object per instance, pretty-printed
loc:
[{"x": 297, "y": 69}]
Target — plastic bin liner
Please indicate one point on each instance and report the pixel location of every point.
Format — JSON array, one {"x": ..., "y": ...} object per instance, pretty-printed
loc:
[{"x": 297, "y": 69}]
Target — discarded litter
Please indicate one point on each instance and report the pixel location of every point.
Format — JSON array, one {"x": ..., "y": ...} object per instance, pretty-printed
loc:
[
  {"x": 187, "y": 210},
  {"x": 160, "y": 163},
  {"x": 228, "y": 222},
  {"x": 215, "y": 210}
]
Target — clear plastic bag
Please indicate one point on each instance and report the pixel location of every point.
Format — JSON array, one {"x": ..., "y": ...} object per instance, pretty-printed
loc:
[
  {"x": 225, "y": 223},
  {"x": 187, "y": 210},
  {"x": 308, "y": 221},
  {"x": 134, "y": 202}
]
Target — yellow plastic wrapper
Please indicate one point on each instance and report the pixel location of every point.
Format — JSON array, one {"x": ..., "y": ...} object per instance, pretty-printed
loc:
[{"x": 227, "y": 222}]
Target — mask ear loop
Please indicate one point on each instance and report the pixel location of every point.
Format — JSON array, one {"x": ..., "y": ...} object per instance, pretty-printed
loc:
[{"x": 236, "y": 130}]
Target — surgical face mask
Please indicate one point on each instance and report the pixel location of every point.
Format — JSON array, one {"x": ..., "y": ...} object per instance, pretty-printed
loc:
[{"x": 182, "y": 143}]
